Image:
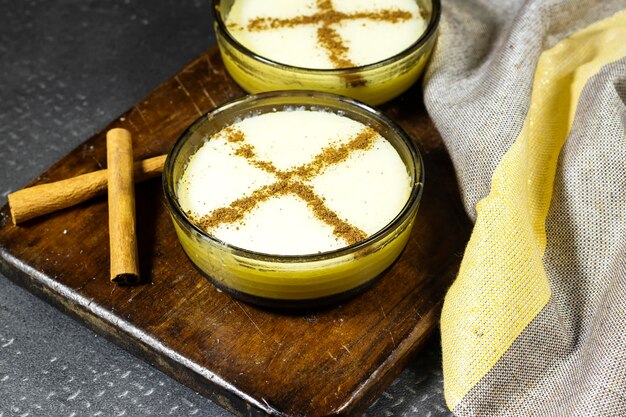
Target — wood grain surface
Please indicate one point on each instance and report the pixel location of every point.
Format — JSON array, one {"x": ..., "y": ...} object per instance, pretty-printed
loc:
[{"x": 334, "y": 361}]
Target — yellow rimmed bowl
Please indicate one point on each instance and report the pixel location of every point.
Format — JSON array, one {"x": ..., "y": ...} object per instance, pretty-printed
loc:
[
  {"x": 374, "y": 83},
  {"x": 290, "y": 281}
]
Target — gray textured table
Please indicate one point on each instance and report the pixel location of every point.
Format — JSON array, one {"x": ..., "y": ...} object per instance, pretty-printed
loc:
[{"x": 66, "y": 69}]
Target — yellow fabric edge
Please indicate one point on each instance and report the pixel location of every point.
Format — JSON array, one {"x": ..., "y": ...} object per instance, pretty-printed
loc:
[{"x": 502, "y": 284}]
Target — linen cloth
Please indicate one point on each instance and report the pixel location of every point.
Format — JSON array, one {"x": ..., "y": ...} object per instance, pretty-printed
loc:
[{"x": 530, "y": 99}]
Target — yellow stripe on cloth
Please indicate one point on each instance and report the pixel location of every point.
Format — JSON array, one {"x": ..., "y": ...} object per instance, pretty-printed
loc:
[{"x": 502, "y": 283}]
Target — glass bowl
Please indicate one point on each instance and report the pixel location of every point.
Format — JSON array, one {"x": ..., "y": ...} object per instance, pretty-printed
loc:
[
  {"x": 373, "y": 83},
  {"x": 294, "y": 281}
]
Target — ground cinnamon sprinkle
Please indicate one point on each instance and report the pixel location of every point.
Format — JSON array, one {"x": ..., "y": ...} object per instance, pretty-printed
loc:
[
  {"x": 325, "y": 5},
  {"x": 245, "y": 151},
  {"x": 328, "y": 38},
  {"x": 291, "y": 182},
  {"x": 233, "y": 134},
  {"x": 334, "y": 155},
  {"x": 349, "y": 233},
  {"x": 386, "y": 15},
  {"x": 267, "y": 167},
  {"x": 238, "y": 208}
]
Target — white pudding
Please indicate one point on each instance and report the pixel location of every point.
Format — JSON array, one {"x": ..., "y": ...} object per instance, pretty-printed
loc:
[{"x": 294, "y": 182}]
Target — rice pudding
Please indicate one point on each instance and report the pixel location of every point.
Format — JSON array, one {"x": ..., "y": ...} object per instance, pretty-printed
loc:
[
  {"x": 294, "y": 182},
  {"x": 325, "y": 34}
]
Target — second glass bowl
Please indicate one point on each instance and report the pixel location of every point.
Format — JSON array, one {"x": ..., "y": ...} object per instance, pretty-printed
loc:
[{"x": 373, "y": 84}]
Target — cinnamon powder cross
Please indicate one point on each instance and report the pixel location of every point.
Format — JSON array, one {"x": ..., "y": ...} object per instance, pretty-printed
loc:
[
  {"x": 291, "y": 182},
  {"x": 327, "y": 36}
]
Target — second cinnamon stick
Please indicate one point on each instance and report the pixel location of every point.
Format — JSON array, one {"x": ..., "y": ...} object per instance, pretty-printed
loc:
[
  {"x": 38, "y": 200},
  {"x": 122, "y": 233}
]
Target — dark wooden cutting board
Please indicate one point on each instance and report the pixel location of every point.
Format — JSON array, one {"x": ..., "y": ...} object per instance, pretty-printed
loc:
[{"x": 334, "y": 361}]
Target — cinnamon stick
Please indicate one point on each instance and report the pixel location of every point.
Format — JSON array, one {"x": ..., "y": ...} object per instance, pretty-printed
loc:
[
  {"x": 38, "y": 200},
  {"x": 122, "y": 235}
]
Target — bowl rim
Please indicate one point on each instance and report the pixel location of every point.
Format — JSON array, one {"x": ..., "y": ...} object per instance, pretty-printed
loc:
[
  {"x": 411, "y": 205},
  {"x": 428, "y": 33}
]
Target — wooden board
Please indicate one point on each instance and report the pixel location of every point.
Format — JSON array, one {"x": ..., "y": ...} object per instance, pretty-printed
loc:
[{"x": 334, "y": 361}]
